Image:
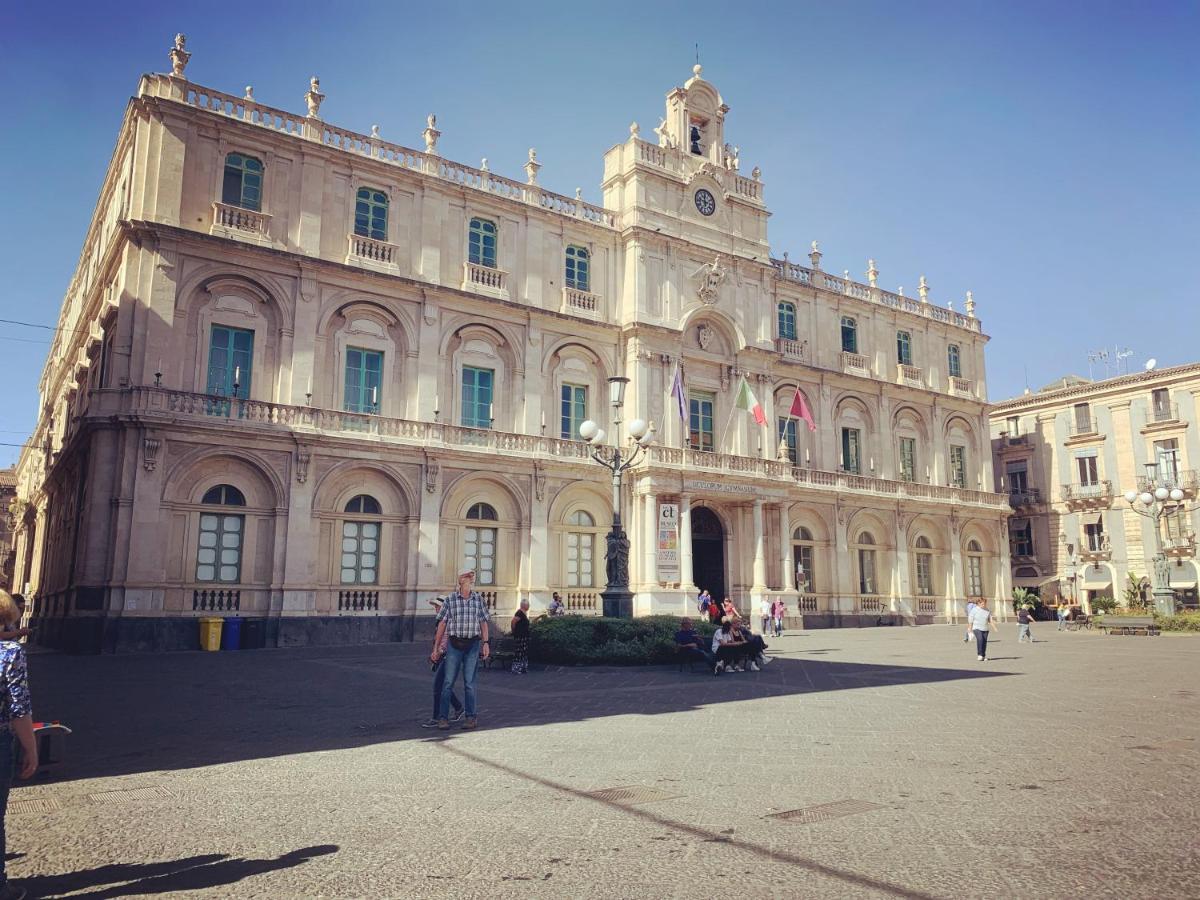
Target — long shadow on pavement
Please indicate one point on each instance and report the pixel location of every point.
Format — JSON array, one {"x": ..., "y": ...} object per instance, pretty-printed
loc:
[{"x": 134, "y": 714}]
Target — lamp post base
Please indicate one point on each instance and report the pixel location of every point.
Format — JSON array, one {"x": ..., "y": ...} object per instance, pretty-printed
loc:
[
  {"x": 617, "y": 604},
  {"x": 1164, "y": 602}
]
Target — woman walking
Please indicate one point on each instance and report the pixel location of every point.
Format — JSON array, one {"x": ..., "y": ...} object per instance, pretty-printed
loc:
[
  {"x": 777, "y": 610},
  {"x": 981, "y": 618},
  {"x": 520, "y": 633},
  {"x": 16, "y": 727}
]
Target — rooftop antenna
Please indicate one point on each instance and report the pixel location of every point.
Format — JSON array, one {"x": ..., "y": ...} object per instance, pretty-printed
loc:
[
  {"x": 1122, "y": 355},
  {"x": 697, "y": 54},
  {"x": 1095, "y": 356},
  {"x": 1151, "y": 363}
]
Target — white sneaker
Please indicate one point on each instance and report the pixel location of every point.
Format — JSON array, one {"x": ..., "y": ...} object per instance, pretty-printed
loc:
[
  {"x": 754, "y": 667},
  {"x": 719, "y": 667},
  {"x": 763, "y": 659},
  {"x": 980, "y": 658}
]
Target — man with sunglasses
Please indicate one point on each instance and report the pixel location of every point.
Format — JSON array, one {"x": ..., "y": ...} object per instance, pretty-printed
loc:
[{"x": 462, "y": 627}]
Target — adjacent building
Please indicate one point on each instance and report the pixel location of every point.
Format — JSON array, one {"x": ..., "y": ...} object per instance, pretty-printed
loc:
[
  {"x": 1067, "y": 456},
  {"x": 304, "y": 374}
]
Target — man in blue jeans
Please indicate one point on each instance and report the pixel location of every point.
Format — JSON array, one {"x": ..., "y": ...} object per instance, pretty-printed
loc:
[
  {"x": 462, "y": 628},
  {"x": 439, "y": 681}
]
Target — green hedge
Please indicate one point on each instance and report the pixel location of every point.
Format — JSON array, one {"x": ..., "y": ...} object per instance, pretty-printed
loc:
[
  {"x": 590, "y": 641},
  {"x": 1187, "y": 621}
]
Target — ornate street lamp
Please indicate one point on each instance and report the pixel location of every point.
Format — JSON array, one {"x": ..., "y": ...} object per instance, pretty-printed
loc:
[
  {"x": 1160, "y": 498},
  {"x": 618, "y": 600}
]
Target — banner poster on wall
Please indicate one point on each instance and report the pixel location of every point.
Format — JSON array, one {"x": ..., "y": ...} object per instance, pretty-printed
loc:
[{"x": 668, "y": 542}]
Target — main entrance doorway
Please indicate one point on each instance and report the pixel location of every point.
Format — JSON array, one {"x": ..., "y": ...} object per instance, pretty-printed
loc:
[{"x": 708, "y": 552}]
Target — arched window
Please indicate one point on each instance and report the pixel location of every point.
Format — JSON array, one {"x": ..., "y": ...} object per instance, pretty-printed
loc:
[
  {"x": 481, "y": 243},
  {"x": 360, "y": 542},
  {"x": 363, "y": 503},
  {"x": 224, "y": 495},
  {"x": 924, "y": 560},
  {"x": 803, "y": 551},
  {"x": 954, "y": 360},
  {"x": 974, "y": 569},
  {"x": 219, "y": 554},
  {"x": 370, "y": 214},
  {"x": 785, "y": 316},
  {"x": 479, "y": 544},
  {"x": 849, "y": 335},
  {"x": 578, "y": 268},
  {"x": 867, "y": 583},
  {"x": 904, "y": 348},
  {"x": 581, "y": 550},
  {"x": 242, "y": 185}
]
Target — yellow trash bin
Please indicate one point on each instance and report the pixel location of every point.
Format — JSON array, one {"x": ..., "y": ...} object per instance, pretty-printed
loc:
[{"x": 210, "y": 632}]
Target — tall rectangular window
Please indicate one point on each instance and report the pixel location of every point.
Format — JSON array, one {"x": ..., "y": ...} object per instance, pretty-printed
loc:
[
  {"x": 1087, "y": 467},
  {"x": 1094, "y": 534},
  {"x": 1018, "y": 477},
  {"x": 1166, "y": 456},
  {"x": 219, "y": 557},
  {"x": 787, "y": 437},
  {"x": 805, "y": 577},
  {"x": 786, "y": 320},
  {"x": 958, "y": 465},
  {"x": 370, "y": 214},
  {"x": 578, "y": 265},
  {"x": 1014, "y": 426},
  {"x": 477, "y": 386},
  {"x": 908, "y": 459},
  {"x": 925, "y": 574},
  {"x": 364, "y": 371},
  {"x": 1160, "y": 399},
  {"x": 360, "y": 552},
  {"x": 242, "y": 184},
  {"x": 574, "y": 410},
  {"x": 849, "y": 335},
  {"x": 904, "y": 348},
  {"x": 851, "y": 451},
  {"x": 866, "y": 572},
  {"x": 974, "y": 576},
  {"x": 700, "y": 415},
  {"x": 479, "y": 553},
  {"x": 954, "y": 360},
  {"x": 230, "y": 356},
  {"x": 1083, "y": 418},
  {"x": 1020, "y": 537},
  {"x": 481, "y": 243}
]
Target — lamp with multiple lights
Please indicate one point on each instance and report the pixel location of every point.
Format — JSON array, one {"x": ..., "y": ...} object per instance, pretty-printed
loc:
[
  {"x": 617, "y": 598},
  {"x": 1160, "y": 497}
]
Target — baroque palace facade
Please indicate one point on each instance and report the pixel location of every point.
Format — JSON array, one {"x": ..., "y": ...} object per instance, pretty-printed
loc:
[{"x": 303, "y": 374}]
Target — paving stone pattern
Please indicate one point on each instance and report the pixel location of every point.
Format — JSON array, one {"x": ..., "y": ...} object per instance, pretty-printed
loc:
[{"x": 882, "y": 762}]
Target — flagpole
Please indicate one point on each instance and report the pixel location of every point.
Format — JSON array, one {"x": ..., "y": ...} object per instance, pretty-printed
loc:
[{"x": 728, "y": 422}]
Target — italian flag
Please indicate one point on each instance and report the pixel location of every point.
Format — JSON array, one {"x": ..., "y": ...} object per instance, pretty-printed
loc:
[{"x": 747, "y": 401}]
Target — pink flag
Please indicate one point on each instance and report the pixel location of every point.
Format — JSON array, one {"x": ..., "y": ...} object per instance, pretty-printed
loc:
[{"x": 801, "y": 411}]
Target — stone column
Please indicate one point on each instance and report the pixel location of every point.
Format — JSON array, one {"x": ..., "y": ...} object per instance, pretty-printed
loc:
[
  {"x": 759, "y": 588},
  {"x": 537, "y": 544},
  {"x": 844, "y": 587},
  {"x": 902, "y": 601},
  {"x": 956, "y": 602},
  {"x": 686, "y": 580},
  {"x": 787, "y": 571},
  {"x": 650, "y": 541}
]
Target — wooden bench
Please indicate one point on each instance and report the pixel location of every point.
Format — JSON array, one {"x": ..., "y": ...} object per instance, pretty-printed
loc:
[
  {"x": 1130, "y": 625},
  {"x": 504, "y": 653},
  {"x": 1077, "y": 623},
  {"x": 688, "y": 659}
]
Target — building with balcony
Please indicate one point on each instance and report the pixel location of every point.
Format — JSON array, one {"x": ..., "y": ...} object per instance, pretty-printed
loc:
[
  {"x": 304, "y": 375},
  {"x": 1068, "y": 454}
]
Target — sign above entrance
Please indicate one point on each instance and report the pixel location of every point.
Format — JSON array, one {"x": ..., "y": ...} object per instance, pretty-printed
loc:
[{"x": 731, "y": 488}]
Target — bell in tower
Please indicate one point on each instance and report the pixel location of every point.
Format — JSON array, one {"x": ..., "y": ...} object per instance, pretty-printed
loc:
[{"x": 696, "y": 118}]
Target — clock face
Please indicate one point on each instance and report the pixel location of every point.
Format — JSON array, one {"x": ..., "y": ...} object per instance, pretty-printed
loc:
[{"x": 705, "y": 202}]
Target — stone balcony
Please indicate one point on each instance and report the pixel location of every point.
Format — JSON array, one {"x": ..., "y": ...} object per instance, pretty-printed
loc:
[
  {"x": 487, "y": 279},
  {"x": 372, "y": 254},
  {"x": 961, "y": 387},
  {"x": 1186, "y": 481},
  {"x": 792, "y": 349},
  {"x": 582, "y": 303},
  {"x": 1020, "y": 499},
  {"x": 912, "y": 376},
  {"x": 1180, "y": 547},
  {"x": 236, "y": 222},
  {"x": 164, "y": 407},
  {"x": 1099, "y": 551},
  {"x": 855, "y": 364}
]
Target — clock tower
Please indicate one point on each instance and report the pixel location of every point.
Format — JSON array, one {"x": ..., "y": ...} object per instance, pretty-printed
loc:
[{"x": 683, "y": 200}]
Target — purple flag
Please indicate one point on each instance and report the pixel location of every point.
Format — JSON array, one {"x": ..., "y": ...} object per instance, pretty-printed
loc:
[{"x": 677, "y": 393}]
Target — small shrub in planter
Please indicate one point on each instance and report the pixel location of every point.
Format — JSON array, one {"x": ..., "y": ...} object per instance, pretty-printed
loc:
[{"x": 590, "y": 641}]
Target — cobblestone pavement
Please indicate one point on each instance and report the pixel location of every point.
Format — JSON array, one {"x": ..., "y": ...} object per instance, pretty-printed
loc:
[{"x": 876, "y": 763}]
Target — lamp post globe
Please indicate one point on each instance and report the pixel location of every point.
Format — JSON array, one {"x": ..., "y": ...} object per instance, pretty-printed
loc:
[
  {"x": 1161, "y": 493},
  {"x": 637, "y": 429},
  {"x": 1147, "y": 498},
  {"x": 588, "y": 429},
  {"x": 1131, "y": 496},
  {"x": 1176, "y": 494}
]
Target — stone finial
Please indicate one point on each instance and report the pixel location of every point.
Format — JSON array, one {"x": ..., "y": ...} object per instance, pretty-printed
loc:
[
  {"x": 872, "y": 273},
  {"x": 923, "y": 290},
  {"x": 756, "y": 173},
  {"x": 814, "y": 255},
  {"x": 950, "y": 305},
  {"x": 782, "y": 453},
  {"x": 970, "y": 305},
  {"x": 431, "y": 134},
  {"x": 375, "y": 132},
  {"x": 785, "y": 258},
  {"x": 634, "y": 128},
  {"x": 579, "y": 194},
  {"x": 697, "y": 69},
  {"x": 737, "y": 165},
  {"x": 483, "y": 165},
  {"x": 532, "y": 167},
  {"x": 179, "y": 55},
  {"x": 313, "y": 97},
  {"x": 900, "y": 291},
  {"x": 249, "y": 96}
]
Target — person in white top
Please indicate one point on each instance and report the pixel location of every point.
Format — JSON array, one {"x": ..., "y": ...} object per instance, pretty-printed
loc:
[
  {"x": 766, "y": 615},
  {"x": 981, "y": 617}
]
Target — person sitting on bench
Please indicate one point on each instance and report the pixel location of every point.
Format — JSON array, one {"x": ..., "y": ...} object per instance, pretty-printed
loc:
[
  {"x": 732, "y": 650},
  {"x": 689, "y": 643}
]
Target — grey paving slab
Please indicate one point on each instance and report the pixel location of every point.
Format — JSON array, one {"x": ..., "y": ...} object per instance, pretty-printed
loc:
[{"x": 1057, "y": 769}]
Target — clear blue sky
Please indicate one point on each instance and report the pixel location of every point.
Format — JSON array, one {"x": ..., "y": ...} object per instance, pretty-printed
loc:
[{"x": 1043, "y": 155}]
